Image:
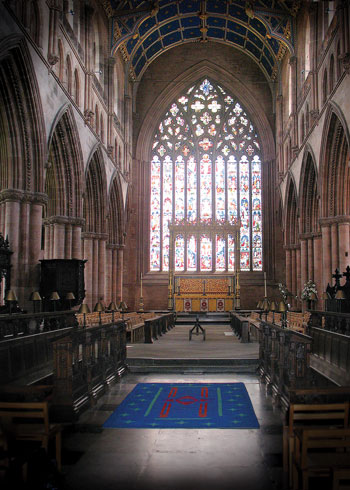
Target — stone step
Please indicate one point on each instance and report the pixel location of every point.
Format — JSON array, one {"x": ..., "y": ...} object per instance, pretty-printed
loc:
[
  {"x": 206, "y": 319},
  {"x": 147, "y": 365}
]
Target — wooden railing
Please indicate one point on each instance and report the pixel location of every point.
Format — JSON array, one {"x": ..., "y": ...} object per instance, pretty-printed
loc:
[
  {"x": 22, "y": 324},
  {"x": 284, "y": 358},
  {"x": 331, "y": 321},
  {"x": 155, "y": 327},
  {"x": 240, "y": 325},
  {"x": 86, "y": 361},
  {"x": 26, "y": 344},
  {"x": 331, "y": 355}
]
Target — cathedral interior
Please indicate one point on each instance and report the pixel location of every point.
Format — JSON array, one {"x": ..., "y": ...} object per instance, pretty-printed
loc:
[{"x": 174, "y": 208}]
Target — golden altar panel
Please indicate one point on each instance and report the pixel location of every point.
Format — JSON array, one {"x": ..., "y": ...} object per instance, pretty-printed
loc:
[
  {"x": 212, "y": 304},
  {"x": 196, "y": 304},
  {"x": 211, "y": 285},
  {"x": 193, "y": 290}
]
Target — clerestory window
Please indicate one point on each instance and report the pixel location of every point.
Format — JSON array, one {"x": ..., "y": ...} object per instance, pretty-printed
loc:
[{"x": 206, "y": 169}]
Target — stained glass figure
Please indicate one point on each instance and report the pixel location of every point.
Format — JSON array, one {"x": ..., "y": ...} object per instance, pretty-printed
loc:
[
  {"x": 220, "y": 189},
  {"x": 179, "y": 253},
  {"x": 205, "y": 189},
  {"x": 205, "y": 166},
  {"x": 231, "y": 252},
  {"x": 191, "y": 253},
  {"x": 220, "y": 254},
  {"x": 205, "y": 253}
]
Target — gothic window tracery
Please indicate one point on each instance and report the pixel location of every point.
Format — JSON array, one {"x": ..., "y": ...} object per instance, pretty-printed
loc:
[{"x": 206, "y": 168}]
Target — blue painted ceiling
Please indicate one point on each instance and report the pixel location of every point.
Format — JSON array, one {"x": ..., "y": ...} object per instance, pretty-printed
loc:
[{"x": 143, "y": 30}]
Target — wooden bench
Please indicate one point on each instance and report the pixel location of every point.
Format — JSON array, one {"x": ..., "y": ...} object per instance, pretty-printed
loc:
[
  {"x": 298, "y": 321},
  {"x": 306, "y": 416},
  {"x": 318, "y": 453},
  {"x": 254, "y": 324},
  {"x": 340, "y": 474},
  {"x": 29, "y": 421},
  {"x": 136, "y": 326}
]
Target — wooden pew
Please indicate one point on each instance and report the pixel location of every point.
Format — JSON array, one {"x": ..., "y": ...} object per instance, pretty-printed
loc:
[
  {"x": 305, "y": 416},
  {"x": 298, "y": 321},
  {"x": 254, "y": 325},
  {"x": 29, "y": 421},
  {"x": 136, "y": 326},
  {"x": 318, "y": 453}
]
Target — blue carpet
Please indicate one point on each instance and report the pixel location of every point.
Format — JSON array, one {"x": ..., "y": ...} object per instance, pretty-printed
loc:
[{"x": 186, "y": 406}]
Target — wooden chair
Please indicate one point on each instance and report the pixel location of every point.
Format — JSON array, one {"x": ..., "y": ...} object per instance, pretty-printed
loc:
[
  {"x": 30, "y": 422},
  {"x": 307, "y": 416},
  {"x": 318, "y": 453},
  {"x": 340, "y": 475}
]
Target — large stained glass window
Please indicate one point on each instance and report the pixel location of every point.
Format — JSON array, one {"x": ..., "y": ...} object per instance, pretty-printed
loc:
[{"x": 206, "y": 168}]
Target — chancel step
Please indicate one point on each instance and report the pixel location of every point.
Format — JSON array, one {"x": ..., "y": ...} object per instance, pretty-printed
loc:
[{"x": 148, "y": 365}]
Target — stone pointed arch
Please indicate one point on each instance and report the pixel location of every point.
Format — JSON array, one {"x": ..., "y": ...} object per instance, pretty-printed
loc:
[
  {"x": 95, "y": 200},
  {"x": 116, "y": 212},
  {"x": 64, "y": 176},
  {"x": 228, "y": 81},
  {"x": 21, "y": 117},
  {"x": 291, "y": 212},
  {"x": 309, "y": 193},
  {"x": 334, "y": 169}
]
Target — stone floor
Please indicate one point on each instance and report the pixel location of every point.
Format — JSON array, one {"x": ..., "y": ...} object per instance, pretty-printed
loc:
[
  {"x": 220, "y": 343},
  {"x": 172, "y": 459}
]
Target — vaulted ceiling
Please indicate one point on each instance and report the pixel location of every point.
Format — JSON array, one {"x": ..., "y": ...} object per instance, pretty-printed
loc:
[{"x": 142, "y": 30}]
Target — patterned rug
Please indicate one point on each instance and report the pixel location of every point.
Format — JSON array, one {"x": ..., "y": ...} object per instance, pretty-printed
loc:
[{"x": 186, "y": 406}]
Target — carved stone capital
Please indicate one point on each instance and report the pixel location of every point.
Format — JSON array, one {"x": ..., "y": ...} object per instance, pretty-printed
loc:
[
  {"x": 345, "y": 60},
  {"x": 64, "y": 220},
  {"x": 314, "y": 113},
  {"x": 90, "y": 235},
  {"x": 110, "y": 151},
  {"x": 17, "y": 195},
  {"x": 52, "y": 59},
  {"x": 112, "y": 246},
  {"x": 333, "y": 220},
  {"x": 88, "y": 115}
]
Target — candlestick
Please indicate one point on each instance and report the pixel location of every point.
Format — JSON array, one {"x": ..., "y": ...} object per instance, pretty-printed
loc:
[{"x": 265, "y": 284}]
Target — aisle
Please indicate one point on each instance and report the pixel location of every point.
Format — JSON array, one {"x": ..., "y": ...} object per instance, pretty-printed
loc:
[{"x": 174, "y": 459}]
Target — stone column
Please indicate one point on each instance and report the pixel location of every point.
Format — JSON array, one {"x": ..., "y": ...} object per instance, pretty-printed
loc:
[
  {"x": 343, "y": 234},
  {"x": 12, "y": 218},
  {"x": 326, "y": 256},
  {"x": 298, "y": 268},
  {"x": 88, "y": 255},
  {"x": 120, "y": 266},
  {"x": 293, "y": 271},
  {"x": 76, "y": 239},
  {"x": 310, "y": 258},
  {"x": 317, "y": 242},
  {"x": 334, "y": 245},
  {"x": 115, "y": 274},
  {"x": 58, "y": 240},
  {"x": 95, "y": 271},
  {"x": 293, "y": 71},
  {"x": 304, "y": 261},
  {"x": 35, "y": 231},
  {"x": 109, "y": 274},
  {"x": 288, "y": 270},
  {"x": 102, "y": 266},
  {"x": 68, "y": 241}
]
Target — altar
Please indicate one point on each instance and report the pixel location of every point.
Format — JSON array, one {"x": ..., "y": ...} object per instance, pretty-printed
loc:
[{"x": 204, "y": 293}]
